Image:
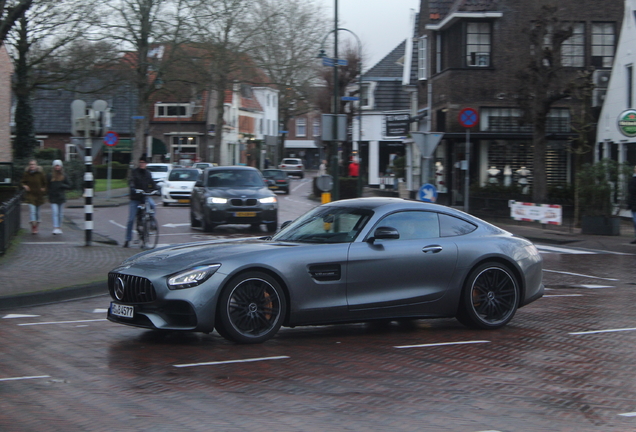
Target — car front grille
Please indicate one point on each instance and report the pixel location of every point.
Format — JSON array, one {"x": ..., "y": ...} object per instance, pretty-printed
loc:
[
  {"x": 135, "y": 289},
  {"x": 243, "y": 202}
]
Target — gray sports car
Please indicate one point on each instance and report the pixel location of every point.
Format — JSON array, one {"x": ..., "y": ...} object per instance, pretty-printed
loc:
[{"x": 346, "y": 261}]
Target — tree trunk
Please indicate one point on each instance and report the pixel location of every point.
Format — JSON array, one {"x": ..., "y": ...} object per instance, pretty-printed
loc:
[{"x": 539, "y": 176}]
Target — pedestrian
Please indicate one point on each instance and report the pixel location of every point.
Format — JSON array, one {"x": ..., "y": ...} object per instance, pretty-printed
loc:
[
  {"x": 632, "y": 200},
  {"x": 354, "y": 168},
  {"x": 140, "y": 179},
  {"x": 58, "y": 185},
  {"x": 34, "y": 183},
  {"x": 322, "y": 169}
]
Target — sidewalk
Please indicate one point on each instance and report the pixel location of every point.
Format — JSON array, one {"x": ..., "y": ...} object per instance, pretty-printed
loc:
[{"x": 47, "y": 268}]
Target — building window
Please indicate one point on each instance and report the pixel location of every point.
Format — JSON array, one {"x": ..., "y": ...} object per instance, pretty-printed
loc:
[
  {"x": 71, "y": 152},
  {"x": 317, "y": 128},
  {"x": 422, "y": 58},
  {"x": 630, "y": 85},
  {"x": 438, "y": 54},
  {"x": 301, "y": 127},
  {"x": 509, "y": 120},
  {"x": 478, "y": 44},
  {"x": 367, "y": 95},
  {"x": 171, "y": 110},
  {"x": 603, "y": 44},
  {"x": 573, "y": 49}
]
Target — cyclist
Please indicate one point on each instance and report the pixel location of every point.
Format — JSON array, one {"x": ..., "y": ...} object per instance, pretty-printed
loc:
[{"x": 140, "y": 179}]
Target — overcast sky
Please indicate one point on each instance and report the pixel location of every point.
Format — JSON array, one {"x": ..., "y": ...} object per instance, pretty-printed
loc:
[{"x": 381, "y": 25}]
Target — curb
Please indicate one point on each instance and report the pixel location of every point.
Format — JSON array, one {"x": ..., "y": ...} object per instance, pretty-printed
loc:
[{"x": 79, "y": 292}]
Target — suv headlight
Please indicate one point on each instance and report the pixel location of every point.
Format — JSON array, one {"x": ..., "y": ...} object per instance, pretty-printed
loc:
[
  {"x": 192, "y": 277},
  {"x": 216, "y": 200},
  {"x": 268, "y": 200}
]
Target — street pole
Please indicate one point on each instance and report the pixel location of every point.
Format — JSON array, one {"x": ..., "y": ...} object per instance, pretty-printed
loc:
[
  {"x": 335, "y": 171},
  {"x": 467, "y": 178},
  {"x": 88, "y": 181}
]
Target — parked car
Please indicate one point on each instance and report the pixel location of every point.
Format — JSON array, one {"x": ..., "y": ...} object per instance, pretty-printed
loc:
[
  {"x": 293, "y": 166},
  {"x": 159, "y": 171},
  {"x": 278, "y": 180},
  {"x": 233, "y": 195},
  {"x": 177, "y": 188},
  {"x": 203, "y": 165},
  {"x": 346, "y": 261}
]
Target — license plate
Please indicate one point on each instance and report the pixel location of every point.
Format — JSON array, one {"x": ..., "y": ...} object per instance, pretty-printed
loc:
[
  {"x": 245, "y": 214},
  {"x": 122, "y": 310},
  {"x": 273, "y": 187},
  {"x": 183, "y": 201}
]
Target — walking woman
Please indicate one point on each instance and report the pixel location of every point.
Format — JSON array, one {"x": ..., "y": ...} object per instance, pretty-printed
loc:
[
  {"x": 58, "y": 185},
  {"x": 34, "y": 183}
]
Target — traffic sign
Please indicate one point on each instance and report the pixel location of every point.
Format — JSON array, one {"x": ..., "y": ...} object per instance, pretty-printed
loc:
[
  {"x": 111, "y": 138},
  {"x": 331, "y": 62},
  {"x": 468, "y": 117},
  {"x": 428, "y": 193}
]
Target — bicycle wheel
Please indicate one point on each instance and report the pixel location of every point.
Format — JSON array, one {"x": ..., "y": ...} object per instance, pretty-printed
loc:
[{"x": 151, "y": 233}]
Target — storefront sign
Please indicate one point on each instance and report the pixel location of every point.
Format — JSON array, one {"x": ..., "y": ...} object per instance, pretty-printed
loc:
[
  {"x": 544, "y": 213},
  {"x": 627, "y": 123},
  {"x": 397, "y": 125}
]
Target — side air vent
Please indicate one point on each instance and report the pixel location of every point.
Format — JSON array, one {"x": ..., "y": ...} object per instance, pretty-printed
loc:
[{"x": 325, "y": 272}]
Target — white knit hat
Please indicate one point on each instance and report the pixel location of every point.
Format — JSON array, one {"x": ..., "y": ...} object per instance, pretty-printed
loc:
[{"x": 57, "y": 162}]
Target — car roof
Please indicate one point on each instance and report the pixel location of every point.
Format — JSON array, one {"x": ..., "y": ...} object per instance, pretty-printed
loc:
[{"x": 232, "y": 168}]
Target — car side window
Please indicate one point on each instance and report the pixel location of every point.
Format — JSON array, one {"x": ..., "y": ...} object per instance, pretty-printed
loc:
[
  {"x": 413, "y": 225},
  {"x": 451, "y": 226}
]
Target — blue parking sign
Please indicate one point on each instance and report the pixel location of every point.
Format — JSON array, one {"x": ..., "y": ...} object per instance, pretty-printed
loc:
[{"x": 428, "y": 193}]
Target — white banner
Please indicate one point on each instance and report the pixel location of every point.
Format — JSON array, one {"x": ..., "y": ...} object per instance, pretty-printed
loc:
[{"x": 544, "y": 213}]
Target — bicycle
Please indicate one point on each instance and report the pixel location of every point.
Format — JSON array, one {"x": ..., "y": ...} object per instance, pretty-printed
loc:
[{"x": 147, "y": 226}]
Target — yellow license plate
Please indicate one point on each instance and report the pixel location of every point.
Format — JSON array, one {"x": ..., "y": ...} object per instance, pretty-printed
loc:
[
  {"x": 183, "y": 201},
  {"x": 245, "y": 214}
]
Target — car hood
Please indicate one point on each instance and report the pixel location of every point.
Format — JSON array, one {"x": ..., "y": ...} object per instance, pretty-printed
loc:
[
  {"x": 179, "y": 184},
  {"x": 182, "y": 256},
  {"x": 240, "y": 192}
]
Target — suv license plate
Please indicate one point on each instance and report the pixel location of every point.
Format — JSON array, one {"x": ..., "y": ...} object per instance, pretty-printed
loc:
[
  {"x": 245, "y": 214},
  {"x": 121, "y": 310}
]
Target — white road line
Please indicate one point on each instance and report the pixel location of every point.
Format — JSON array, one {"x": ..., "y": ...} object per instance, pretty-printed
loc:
[
  {"x": 442, "y": 344},
  {"x": 594, "y": 286},
  {"x": 117, "y": 224},
  {"x": 173, "y": 225},
  {"x": 44, "y": 243},
  {"x": 10, "y": 316},
  {"x": 578, "y": 274},
  {"x": 231, "y": 361},
  {"x": 563, "y": 295},
  {"x": 630, "y": 414},
  {"x": 603, "y": 331},
  {"x": 98, "y": 310},
  {"x": 563, "y": 250},
  {"x": 24, "y": 378},
  {"x": 61, "y": 322}
]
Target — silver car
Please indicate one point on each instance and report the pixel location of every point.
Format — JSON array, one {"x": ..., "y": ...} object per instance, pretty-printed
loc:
[{"x": 347, "y": 261}]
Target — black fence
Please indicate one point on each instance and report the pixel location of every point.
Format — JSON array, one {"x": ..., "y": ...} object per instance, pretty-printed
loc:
[{"x": 9, "y": 220}]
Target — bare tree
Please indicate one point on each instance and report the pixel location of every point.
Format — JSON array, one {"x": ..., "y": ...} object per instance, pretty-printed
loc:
[
  {"x": 292, "y": 36},
  {"x": 543, "y": 82},
  {"x": 10, "y": 13},
  {"x": 148, "y": 32}
]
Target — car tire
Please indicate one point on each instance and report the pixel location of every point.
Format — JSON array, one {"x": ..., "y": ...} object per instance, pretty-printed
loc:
[
  {"x": 207, "y": 226},
  {"x": 273, "y": 226},
  {"x": 287, "y": 191},
  {"x": 194, "y": 222},
  {"x": 490, "y": 297},
  {"x": 165, "y": 204},
  {"x": 251, "y": 308}
]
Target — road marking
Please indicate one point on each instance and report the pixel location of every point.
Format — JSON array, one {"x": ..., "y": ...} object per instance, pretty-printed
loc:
[
  {"x": 24, "y": 378},
  {"x": 231, "y": 361},
  {"x": 578, "y": 274},
  {"x": 594, "y": 286},
  {"x": 173, "y": 225},
  {"x": 19, "y": 316},
  {"x": 563, "y": 295},
  {"x": 61, "y": 322},
  {"x": 603, "y": 331},
  {"x": 117, "y": 224},
  {"x": 100, "y": 310},
  {"x": 554, "y": 249},
  {"x": 44, "y": 243},
  {"x": 442, "y": 344},
  {"x": 630, "y": 414}
]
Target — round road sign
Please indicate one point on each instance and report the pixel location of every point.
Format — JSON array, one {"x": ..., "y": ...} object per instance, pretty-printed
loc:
[
  {"x": 111, "y": 139},
  {"x": 468, "y": 117}
]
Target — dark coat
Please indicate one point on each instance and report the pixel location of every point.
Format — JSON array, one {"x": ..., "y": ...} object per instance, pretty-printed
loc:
[
  {"x": 632, "y": 193},
  {"x": 141, "y": 179},
  {"x": 57, "y": 189},
  {"x": 36, "y": 181}
]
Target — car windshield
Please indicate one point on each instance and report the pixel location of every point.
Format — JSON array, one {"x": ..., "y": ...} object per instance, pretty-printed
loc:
[
  {"x": 183, "y": 175},
  {"x": 234, "y": 178},
  {"x": 291, "y": 161},
  {"x": 275, "y": 174},
  {"x": 157, "y": 168},
  {"x": 326, "y": 224}
]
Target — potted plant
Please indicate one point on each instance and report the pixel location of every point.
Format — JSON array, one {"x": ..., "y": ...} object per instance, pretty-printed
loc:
[{"x": 598, "y": 189}]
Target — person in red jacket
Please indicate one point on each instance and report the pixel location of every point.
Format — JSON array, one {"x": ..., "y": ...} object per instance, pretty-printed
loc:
[{"x": 354, "y": 168}]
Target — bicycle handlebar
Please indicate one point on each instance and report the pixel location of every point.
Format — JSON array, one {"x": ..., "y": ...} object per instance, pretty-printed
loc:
[{"x": 141, "y": 191}]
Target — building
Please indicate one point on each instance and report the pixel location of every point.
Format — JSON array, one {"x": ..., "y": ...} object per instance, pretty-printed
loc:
[
  {"x": 469, "y": 56},
  {"x": 6, "y": 71},
  {"x": 616, "y": 131}
]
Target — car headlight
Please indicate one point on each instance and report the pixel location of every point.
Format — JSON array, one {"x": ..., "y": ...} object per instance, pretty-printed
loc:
[
  {"x": 192, "y": 277},
  {"x": 268, "y": 200},
  {"x": 216, "y": 200}
]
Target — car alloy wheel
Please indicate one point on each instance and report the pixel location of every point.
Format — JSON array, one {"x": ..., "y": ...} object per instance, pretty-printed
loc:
[
  {"x": 251, "y": 309},
  {"x": 490, "y": 297}
]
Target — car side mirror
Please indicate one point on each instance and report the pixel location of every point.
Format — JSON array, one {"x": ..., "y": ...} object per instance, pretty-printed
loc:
[
  {"x": 199, "y": 183},
  {"x": 384, "y": 233},
  {"x": 285, "y": 224}
]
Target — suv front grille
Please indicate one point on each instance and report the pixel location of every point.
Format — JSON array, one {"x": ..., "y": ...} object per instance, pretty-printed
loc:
[
  {"x": 240, "y": 202},
  {"x": 135, "y": 289}
]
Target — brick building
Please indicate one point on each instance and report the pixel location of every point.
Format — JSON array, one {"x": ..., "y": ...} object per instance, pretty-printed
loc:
[{"x": 469, "y": 55}]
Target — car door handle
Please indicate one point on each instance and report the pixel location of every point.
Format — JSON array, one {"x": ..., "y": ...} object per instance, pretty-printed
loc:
[{"x": 433, "y": 248}]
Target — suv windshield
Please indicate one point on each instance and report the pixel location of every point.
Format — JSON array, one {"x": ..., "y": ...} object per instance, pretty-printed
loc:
[
  {"x": 235, "y": 178},
  {"x": 328, "y": 224},
  {"x": 183, "y": 175},
  {"x": 157, "y": 168}
]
